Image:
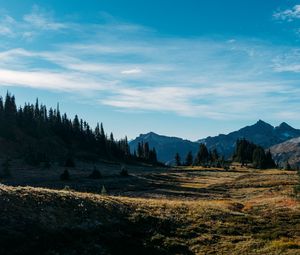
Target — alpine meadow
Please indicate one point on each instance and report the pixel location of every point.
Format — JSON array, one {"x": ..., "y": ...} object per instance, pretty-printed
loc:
[{"x": 149, "y": 127}]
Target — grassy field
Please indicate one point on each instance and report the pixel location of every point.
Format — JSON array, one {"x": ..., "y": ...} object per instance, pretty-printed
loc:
[{"x": 153, "y": 211}]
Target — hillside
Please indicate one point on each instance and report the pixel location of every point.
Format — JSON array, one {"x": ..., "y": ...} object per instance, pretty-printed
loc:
[
  {"x": 40, "y": 136},
  {"x": 288, "y": 151},
  {"x": 184, "y": 211}
]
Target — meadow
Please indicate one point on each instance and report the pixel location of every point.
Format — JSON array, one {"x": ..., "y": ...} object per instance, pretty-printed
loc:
[{"x": 183, "y": 210}]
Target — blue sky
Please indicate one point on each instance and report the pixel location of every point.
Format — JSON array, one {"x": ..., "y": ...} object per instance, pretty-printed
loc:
[{"x": 181, "y": 68}]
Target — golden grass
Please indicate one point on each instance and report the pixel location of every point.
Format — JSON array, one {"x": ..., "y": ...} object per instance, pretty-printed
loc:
[{"x": 187, "y": 211}]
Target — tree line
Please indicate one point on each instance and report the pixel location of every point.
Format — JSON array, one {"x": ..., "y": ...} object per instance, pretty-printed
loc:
[
  {"x": 203, "y": 157},
  {"x": 38, "y": 134},
  {"x": 245, "y": 153}
]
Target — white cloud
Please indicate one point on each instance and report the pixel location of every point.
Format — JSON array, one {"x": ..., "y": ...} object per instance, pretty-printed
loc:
[
  {"x": 6, "y": 26},
  {"x": 289, "y": 14},
  {"x": 129, "y": 67},
  {"x": 42, "y": 20},
  {"x": 51, "y": 80},
  {"x": 132, "y": 71}
]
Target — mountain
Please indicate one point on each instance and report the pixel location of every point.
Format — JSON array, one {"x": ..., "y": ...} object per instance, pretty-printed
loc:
[
  {"x": 287, "y": 151},
  {"x": 261, "y": 133},
  {"x": 166, "y": 147}
]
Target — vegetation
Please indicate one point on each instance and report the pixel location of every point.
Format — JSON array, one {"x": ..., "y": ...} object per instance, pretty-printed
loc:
[
  {"x": 247, "y": 152},
  {"x": 65, "y": 176},
  {"x": 42, "y": 136},
  {"x": 189, "y": 159},
  {"x": 96, "y": 174},
  {"x": 177, "y": 159},
  {"x": 204, "y": 211},
  {"x": 124, "y": 172},
  {"x": 144, "y": 153}
]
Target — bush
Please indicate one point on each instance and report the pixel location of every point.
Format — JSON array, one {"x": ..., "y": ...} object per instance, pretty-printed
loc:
[
  {"x": 226, "y": 168},
  {"x": 124, "y": 172},
  {"x": 65, "y": 176},
  {"x": 96, "y": 174},
  {"x": 103, "y": 191},
  {"x": 67, "y": 188}
]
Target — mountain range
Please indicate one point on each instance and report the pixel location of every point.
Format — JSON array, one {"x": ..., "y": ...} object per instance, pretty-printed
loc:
[{"x": 260, "y": 133}]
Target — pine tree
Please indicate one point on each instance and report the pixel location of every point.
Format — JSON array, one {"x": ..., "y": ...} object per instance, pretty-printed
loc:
[
  {"x": 177, "y": 159},
  {"x": 202, "y": 156},
  {"x": 189, "y": 159}
]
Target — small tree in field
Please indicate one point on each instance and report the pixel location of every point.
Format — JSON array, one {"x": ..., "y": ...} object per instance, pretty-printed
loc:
[
  {"x": 177, "y": 159},
  {"x": 124, "y": 172},
  {"x": 103, "y": 190},
  {"x": 189, "y": 159},
  {"x": 65, "y": 176},
  {"x": 96, "y": 174},
  {"x": 288, "y": 166}
]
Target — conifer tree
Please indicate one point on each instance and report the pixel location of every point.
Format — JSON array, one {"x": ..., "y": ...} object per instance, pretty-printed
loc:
[
  {"x": 189, "y": 159},
  {"x": 177, "y": 159}
]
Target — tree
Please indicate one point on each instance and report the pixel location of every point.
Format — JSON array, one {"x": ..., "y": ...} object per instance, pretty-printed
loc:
[
  {"x": 96, "y": 174},
  {"x": 124, "y": 172},
  {"x": 49, "y": 136},
  {"x": 177, "y": 159},
  {"x": 189, "y": 159},
  {"x": 140, "y": 151},
  {"x": 259, "y": 158},
  {"x": 146, "y": 150},
  {"x": 269, "y": 160},
  {"x": 202, "y": 156},
  {"x": 65, "y": 176},
  {"x": 153, "y": 156},
  {"x": 214, "y": 155},
  {"x": 244, "y": 151},
  {"x": 288, "y": 166},
  {"x": 247, "y": 152}
]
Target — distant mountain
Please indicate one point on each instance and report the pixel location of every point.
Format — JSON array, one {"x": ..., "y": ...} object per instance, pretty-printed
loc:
[
  {"x": 261, "y": 133},
  {"x": 287, "y": 151},
  {"x": 166, "y": 147}
]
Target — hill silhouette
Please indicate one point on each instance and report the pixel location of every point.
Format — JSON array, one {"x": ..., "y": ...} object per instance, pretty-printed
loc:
[{"x": 38, "y": 135}]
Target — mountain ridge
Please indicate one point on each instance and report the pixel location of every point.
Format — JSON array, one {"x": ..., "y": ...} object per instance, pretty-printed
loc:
[{"x": 260, "y": 133}]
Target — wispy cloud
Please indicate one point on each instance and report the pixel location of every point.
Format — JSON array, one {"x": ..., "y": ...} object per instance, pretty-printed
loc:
[
  {"x": 42, "y": 20},
  {"x": 130, "y": 67},
  {"x": 30, "y": 25},
  {"x": 289, "y": 14},
  {"x": 132, "y": 71}
]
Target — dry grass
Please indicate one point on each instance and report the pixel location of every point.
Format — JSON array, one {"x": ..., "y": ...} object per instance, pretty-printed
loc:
[{"x": 183, "y": 211}]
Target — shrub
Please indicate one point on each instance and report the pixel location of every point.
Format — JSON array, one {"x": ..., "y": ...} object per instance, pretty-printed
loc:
[
  {"x": 96, "y": 174},
  {"x": 67, "y": 188},
  {"x": 124, "y": 172},
  {"x": 226, "y": 168},
  {"x": 103, "y": 190},
  {"x": 65, "y": 176}
]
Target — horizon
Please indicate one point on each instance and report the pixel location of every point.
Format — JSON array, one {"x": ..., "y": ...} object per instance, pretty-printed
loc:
[{"x": 187, "y": 70}]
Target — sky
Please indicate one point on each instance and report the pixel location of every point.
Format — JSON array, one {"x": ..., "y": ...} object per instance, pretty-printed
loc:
[{"x": 186, "y": 68}]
